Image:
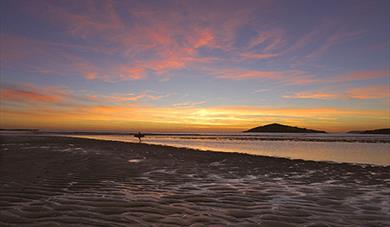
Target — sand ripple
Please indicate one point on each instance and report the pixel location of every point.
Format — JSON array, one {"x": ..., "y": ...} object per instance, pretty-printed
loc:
[{"x": 73, "y": 182}]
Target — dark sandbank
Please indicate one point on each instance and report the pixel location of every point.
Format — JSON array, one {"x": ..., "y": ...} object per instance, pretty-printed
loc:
[{"x": 57, "y": 181}]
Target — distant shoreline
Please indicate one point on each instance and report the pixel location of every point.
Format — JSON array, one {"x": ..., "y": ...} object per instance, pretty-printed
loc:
[
  {"x": 384, "y": 131},
  {"x": 279, "y": 128}
]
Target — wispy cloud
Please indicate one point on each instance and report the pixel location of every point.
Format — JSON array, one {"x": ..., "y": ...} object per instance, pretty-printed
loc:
[
  {"x": 189, "y": 104},
  {"x": 258, "y": 56},
  {"x": 331, "y": 41},
  {"x": 135, "y": 97},
  {"x": 51, "y": 95},
  {"x": 268, "y": 40},
  {"x": 290, "y": 77},
  {"x": 155, "y": 41},
  {"x": 159, "y": 41},
  {"x": 369, "y": 92},
  {"x": 312, "y": 95},
  {"x": 32, "y": 94},
  {"x": 358, "y": 76},
  {"x": 361, "y": 92},
  {"x": 251, "y": 74}
]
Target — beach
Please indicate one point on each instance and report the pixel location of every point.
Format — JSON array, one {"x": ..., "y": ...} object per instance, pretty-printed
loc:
[{"x": 60, "y": 181}]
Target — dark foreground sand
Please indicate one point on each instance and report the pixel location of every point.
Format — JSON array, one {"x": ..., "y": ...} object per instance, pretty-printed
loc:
[{"x": 54, "y": 181}]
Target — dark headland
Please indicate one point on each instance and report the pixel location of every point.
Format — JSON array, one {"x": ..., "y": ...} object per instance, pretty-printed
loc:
[
  {"x": 375, "y": 131},
  {"x": 279, "y": 128}
]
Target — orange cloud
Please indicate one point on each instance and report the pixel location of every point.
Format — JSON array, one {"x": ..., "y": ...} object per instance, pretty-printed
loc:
[
  {"x": 363, "y": 75},
  {"x": 111, "y": 73},
  {"x": 132, "y": 73},
  {"x": 312, "y": 95},
  {"x": 367, "y": 92},
  {"x": 370, "y": 92},
  {"x": 90, "y": 75},
  {"x": 355, "y": 76},
  {"x": 202, "y": 37},
  {"x": 31, "y": 95},
  {"x": 51, "y": 97},
  {"x": 162, "y": 65}
]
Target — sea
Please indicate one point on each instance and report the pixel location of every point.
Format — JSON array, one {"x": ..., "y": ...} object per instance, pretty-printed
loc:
[{"x": 330, "y": 147}]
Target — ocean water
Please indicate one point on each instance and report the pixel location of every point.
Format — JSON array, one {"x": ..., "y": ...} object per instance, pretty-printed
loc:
[{"x": 341, "y": 148}]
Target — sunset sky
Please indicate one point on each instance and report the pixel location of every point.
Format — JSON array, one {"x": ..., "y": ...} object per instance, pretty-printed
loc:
[{"x": 194, "y": 66}]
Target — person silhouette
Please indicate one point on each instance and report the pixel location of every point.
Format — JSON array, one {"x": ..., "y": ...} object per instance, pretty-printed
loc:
[{"x": 139, "y": 135}]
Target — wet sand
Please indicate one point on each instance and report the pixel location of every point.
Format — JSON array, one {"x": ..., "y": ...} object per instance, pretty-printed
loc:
[{"x": 58, "y": 181}]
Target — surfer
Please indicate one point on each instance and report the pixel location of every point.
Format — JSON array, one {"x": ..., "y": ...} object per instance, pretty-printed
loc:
[{"x": 139, "y": 135}]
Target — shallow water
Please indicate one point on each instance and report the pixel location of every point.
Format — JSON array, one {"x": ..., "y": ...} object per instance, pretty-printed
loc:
[{"x": 349, "y": 148}]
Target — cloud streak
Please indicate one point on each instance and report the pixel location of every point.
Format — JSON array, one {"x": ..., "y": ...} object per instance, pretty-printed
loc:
[
  {"x": 369, "y": 92},
  {"x": 30, "y": 94},
  {"x": 312, "y": 95},
  {"x": 362, "y": 93}
]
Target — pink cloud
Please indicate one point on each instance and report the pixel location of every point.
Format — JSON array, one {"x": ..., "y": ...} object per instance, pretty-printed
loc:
[
  {"x": 155, "y": 41},
  {"x": 201, "y": 37},
  {"x": 90, "y": 75},
  {"x": 365, "y": 75},
  {"x": 132, "y": 73},
  {"x": 160, "y": 41},
  {"x": 162, "y": 36},
  {"x": 32, "y": 94},
  {"x": 369, "y": 92},
  {"x": 52, "y": 97},
  {"x": 366, "y": 92}
]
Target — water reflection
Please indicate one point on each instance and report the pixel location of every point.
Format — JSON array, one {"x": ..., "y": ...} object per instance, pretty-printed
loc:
[{"x": 336, "y": 151}]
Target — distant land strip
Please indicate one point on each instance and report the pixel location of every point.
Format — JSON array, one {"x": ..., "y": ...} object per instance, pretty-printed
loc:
[{"x": 279, "y": 128}]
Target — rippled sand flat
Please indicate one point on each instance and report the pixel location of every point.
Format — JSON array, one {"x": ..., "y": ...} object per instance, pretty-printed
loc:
[{"x": 55, "y": 181}]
